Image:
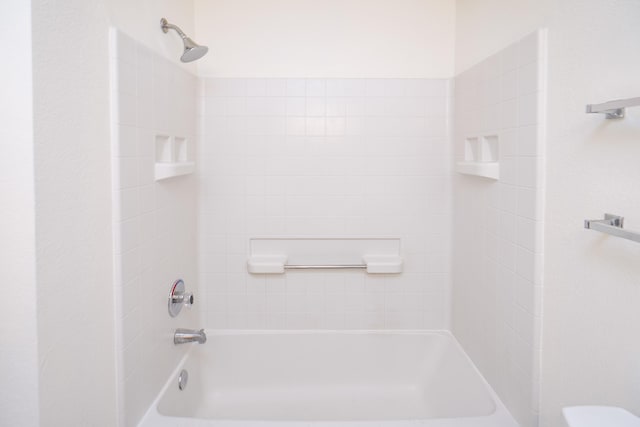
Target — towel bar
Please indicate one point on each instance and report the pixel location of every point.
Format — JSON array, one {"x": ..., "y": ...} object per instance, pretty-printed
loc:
[
  {"x": 612, "y": 224},
  {"x": 613, "y": 109},
  {"x": 325, "y": 267}
]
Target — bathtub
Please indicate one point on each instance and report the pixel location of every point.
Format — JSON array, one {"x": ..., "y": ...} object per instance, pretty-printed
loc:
[{"x": 328, "y": 378}]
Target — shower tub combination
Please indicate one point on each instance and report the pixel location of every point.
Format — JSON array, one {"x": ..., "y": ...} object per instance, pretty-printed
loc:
[{"x": 364, "y": 379}]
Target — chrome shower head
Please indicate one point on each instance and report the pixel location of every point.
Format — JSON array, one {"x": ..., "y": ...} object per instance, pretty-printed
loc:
[{"x": 192, "y": 50}]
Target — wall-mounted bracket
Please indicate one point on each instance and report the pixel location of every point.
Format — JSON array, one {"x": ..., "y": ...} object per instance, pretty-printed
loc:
[
  {"x": 612, "y": 224},
  {"x": 613, "y": 109}
]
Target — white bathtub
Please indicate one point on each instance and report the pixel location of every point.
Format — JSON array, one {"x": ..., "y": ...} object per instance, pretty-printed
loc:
[{"x": 296, "y": 379}]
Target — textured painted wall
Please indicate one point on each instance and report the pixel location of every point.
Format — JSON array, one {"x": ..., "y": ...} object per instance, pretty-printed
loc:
[
  {"x": 485, "y": 27},
  {"x": 329, "y": 38},
  {"x": 73, "y": 225},
  {"x": 141, "y": 20},
  {"x": 18, "y": 326},
  {"x": 592, "y": 281}
]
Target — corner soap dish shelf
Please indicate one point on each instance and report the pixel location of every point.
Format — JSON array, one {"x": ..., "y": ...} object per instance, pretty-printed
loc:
[
  {"x": 168, "y": 170},
  {"x": 484, "y": 169},
  {"x": 173, "y": 157},
  {"x": 480, "y": 157}
]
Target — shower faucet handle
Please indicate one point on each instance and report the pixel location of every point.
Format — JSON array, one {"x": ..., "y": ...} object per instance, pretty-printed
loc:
[
  {"x": 185, "y": 298},
  {"x": 179, "y": 298}
]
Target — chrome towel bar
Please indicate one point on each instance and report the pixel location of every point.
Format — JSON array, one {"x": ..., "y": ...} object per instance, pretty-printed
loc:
[
  {"x": 612, "y": 224},
  {"x": 613, "y": 109},
  {"x": 325, "y": 267}
]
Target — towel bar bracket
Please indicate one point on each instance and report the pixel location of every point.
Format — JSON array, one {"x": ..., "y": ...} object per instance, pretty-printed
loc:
[
  {"x": 613, "y": 109},
  {"x": 613, "y": 225}
]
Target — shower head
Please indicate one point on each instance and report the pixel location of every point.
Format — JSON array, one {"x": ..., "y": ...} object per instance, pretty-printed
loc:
[{"x": 192, "y": 50}]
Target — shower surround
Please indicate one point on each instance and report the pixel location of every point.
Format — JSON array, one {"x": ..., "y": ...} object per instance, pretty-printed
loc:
[
  {"x": 329, "y": 158},
  {"x": 154, "y": 222},
  {"x": 498, "y": 225},
  {"x": 325, "y": 157}
]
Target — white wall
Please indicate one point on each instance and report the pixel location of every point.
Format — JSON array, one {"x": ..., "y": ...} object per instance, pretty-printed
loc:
[
  {"x": 591, "y": 294},
  {"x": 140, "y": 19},
  {"x": 73, "y": 230},
  {"x": 325, "y": 157},
  {"x": 75, "y": 294},
  {"x": 485, "y": 27},
  {"x": 592, "y": 283},
  {"x": 330, "y": 38},
  {"x": 18, "y": 327}
]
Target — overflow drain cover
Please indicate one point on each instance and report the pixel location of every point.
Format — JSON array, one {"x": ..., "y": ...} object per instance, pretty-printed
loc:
[{"x": 183, "y": 378}]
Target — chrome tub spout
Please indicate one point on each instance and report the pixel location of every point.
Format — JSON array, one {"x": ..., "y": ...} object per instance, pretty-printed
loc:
[{"x": 183, "y": 336}]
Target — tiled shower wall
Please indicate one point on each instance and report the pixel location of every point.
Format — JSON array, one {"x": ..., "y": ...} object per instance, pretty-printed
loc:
[
  {"x": 154, "y": 222},
  {"x": 316, "y": 157},
  {"x": 498, "y": 225}
]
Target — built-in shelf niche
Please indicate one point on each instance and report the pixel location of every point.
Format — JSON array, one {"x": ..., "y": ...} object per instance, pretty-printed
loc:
[
  {"x": 173, "y": 157},
  {"x": 480, "y": 157}
]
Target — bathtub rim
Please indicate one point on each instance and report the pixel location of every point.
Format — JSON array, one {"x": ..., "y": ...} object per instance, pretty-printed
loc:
[{"x": 500, "y": 417}]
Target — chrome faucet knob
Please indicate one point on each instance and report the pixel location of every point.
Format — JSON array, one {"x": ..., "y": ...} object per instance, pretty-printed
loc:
[
  {"x": 185, "y": 298},
  {"x": 188, "y": 299},
  {"x": 178, "y": 298}
]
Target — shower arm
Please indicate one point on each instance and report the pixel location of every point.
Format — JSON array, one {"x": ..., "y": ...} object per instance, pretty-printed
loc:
[{"x": 166, "y": 26}]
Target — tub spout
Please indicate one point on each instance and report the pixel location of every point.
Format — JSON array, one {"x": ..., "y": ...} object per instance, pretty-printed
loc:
[{"x": 183, "y": 336}]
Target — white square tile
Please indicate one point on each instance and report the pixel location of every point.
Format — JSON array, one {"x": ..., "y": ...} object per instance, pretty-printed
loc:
[
  {"x": 529, "y": 109},
  {"x": 296, "y": 87},
  {"x": 509, "y": 113},
  {"x": 507, "y": 226},
  {"x": 126, "y": 204},
  {"x": 529, "y": 234},
  {"x": 375, "y": 106},
  {"x": 276, "y": 87},
  {"x": 508, "y": 143},
  {"x": 126, "y": 144},
  {"x": 315, "y": 126},
  {"x": 315, "y": 87},
  {"x": 256, "y": 87},
  {"x": 335, "y": 87},
  {"x": 509, "y": 58},
  {"x": 508, "y": 198},
  {"x": 528, "y": 79},
  {"x": 375, "y": 87},
  {"x": 354, "y": 87},
  {"x": 296, "y": 126},
  {"x": 126, "y": 173},
  {"x": 126, "y": 109},
  {"x": 316, "y": 106},
  {"x": 354, "y": 106},
  {"x": 509, "y": 170},
  {"x": 526, "y": 264},
  {"x": 509, "y": 85},
  {"x": 336, "y": 107},
  {"x": 335, "y": 126},
  {"x": 296, "y": 106},
  {"x": 236, "y": 106},
  {"x": 126, "y": 78},
  {"x": 530, "y": 204},
  {"x": 530, "y": 172}
]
